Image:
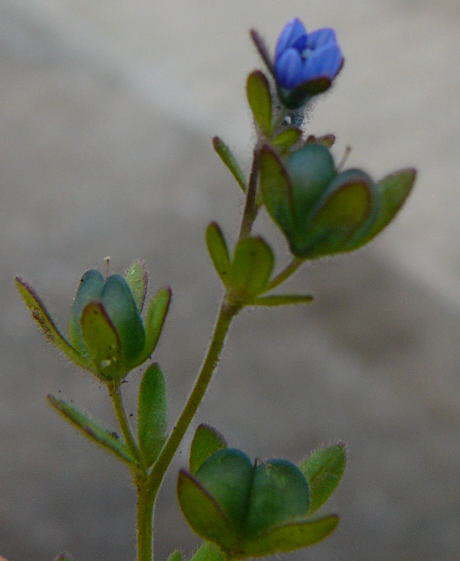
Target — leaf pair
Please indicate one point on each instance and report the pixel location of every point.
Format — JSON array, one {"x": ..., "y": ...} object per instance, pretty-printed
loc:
[
  {"x": 151, "y": 420},
  {"x": 322, "y": 212},
  {"x": 248, "y": 272}
]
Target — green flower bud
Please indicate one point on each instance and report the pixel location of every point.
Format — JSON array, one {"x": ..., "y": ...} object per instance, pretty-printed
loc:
[
  {"x": 323, "y": 212},
  {"x": 250, "y": 509},
  {"x": 107, "y": 335}
]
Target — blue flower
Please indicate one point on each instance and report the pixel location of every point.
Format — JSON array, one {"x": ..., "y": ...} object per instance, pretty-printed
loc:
[{"x": 301, "y": 57}]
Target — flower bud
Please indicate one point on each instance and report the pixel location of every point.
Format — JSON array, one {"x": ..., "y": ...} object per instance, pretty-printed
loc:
[
  {"x": 250, "y": 509},
  {"x": 305, "y": 64},
  {"x": 323, "y": 212},
  {"x": 107, "y": 335}
]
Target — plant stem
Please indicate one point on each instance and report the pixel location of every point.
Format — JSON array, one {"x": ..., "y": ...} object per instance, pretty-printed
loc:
[
  {"x": 122, "y": 418},
  {"x": 226, "y": 313},
  {"x": 250, "y": 209},
  {"x": 144, "y": 519},
  {"x": 285, "y": 273},
  {"x": 149, "y": 484}
]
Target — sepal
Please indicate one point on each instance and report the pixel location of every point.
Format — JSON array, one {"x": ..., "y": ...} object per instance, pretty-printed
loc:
[
  {"x": 137, "y": 278},
  {"x": 206, "y": 441},
  {"x": 47, "y": 326},
  {"x": 323, "y": 469}
]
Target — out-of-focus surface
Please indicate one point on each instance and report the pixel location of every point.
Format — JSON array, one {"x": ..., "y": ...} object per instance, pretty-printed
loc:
[{"x": 106, "y": 113}]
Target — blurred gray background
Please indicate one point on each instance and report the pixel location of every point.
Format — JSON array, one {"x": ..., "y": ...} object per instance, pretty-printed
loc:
[{"x": 106, "y": 114}]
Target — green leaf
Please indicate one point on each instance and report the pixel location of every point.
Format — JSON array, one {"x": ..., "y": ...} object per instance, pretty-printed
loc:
[
  {"x": 289, "y": 537},
  {"x": 102, "y": 341},
  {"x": 89, "y": 290},
  {"x": 276, "y": 189},
  {"x": 227, "y": 157},
  {"x": 137, "y": 278},
  {"x": 152, "y": 421},
  {"x": 279, "y": 494},
  {"x": 204, "y": 514},
  {"x": 323, "y": 470},
  {"x": 282, "y": 300},
  {"x": 342, "y": 210},
  {"x": 286, "y": 139},
  {"x": 121, "y": 308},
  {"x": 218, "y": 250},
  {"x": 91, "y": 429},
  {"x": 260, "y": 100},
  {"x": 251, "y": 267},
  {"x": 209, "y": 551},
  {"x": 47, "y": 325},
  {"x": 206, "y": 441},
  {"x": 157, "y": 310},
  {"x": 175, "y": 556},
  {"x": 227, "y": 476}
]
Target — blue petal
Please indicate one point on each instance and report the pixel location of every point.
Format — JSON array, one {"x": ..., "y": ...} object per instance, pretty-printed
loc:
[
  {"x": 325, "y": 61},
  {"x": 321, "y": 38},
  {"x": 288, "y": 69},
  {"x": 292, "y": 32}
]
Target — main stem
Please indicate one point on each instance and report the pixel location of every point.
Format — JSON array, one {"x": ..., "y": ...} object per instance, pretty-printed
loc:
[
  {"x": 224, "y": 318},
  {"x": 149, "y": 484}
]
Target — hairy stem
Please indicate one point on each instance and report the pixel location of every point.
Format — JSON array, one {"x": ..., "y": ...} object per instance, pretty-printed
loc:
[
  {"x": 224, "y": 319},
  {"x": 250, "y": 209},
  {"x": 122, "y": 418},
  {"x": 144, "y": 519}
]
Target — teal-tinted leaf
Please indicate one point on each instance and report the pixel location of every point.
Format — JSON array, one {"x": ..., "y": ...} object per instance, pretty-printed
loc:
[
  {"x": 209, "y": 552},
  {"x": 341, "y": 211},
  {"x": 137, "y": 278},
  {"x": 175, "y": 556},
  {"x": 218, "y": 250},
  {"x": 91, "y": 429},
  {"x": 286, "y": 139},
  {"x": 289, "y": 537},
  {"x": 204, "y": 514},
  {"x": 282, "y": 300},
  {"x": 89, "y": 290},
  {"x": 227, "y": 476},
  {"x": 151, "y": 420},
  {"x": 260, "y": 100},
  {"x": 226, "y": 155},
  {"x": 276, "y": 189},
  {"x": 121, "y": 308},
  {"x": 251, "y": 267},
  {"x": 206, "y": 441},
  {"x": 157, "y": 310},
  {"x": 279, "y": 494},
  {"x": 323, "y": 470},
  {"x": 47, "y": 325},
  {"x": 102, "y": 341}
]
